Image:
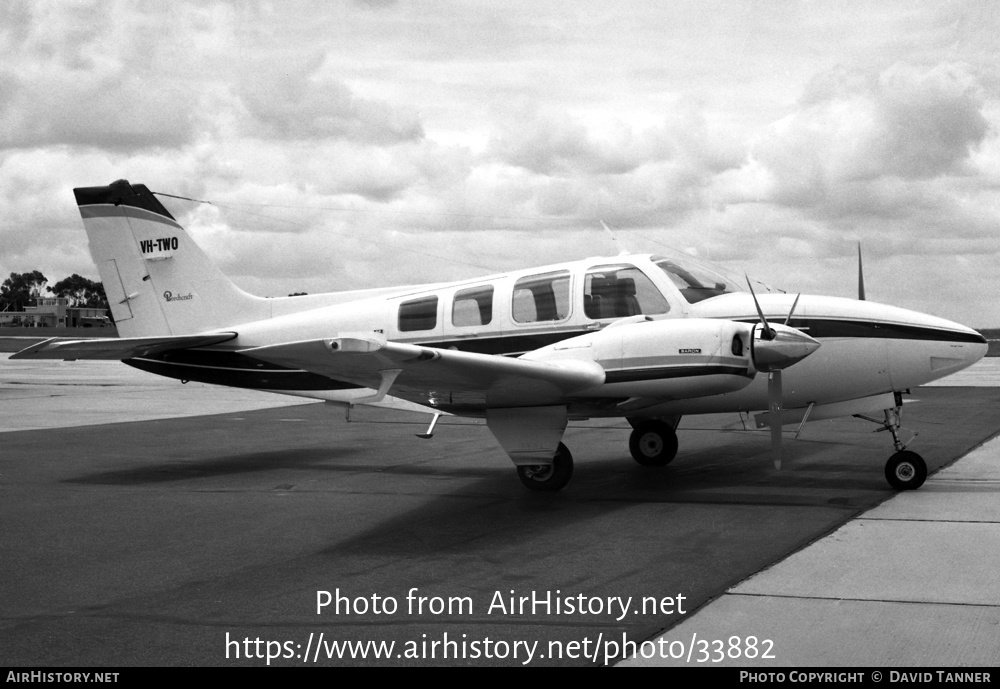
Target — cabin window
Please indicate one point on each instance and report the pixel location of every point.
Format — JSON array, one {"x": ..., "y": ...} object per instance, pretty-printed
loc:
[
  {"x": 619, "y": 291},
  {"x": 418, "y": 314},
  {"x": 541, "y": 298},
  {"x": 473, "y": 306}
]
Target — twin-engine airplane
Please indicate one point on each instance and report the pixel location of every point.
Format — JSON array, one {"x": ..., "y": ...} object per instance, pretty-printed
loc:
[{"x": 650, "y": 338}]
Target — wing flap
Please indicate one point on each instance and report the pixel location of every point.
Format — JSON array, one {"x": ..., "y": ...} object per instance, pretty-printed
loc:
[
  {"x": 114, "y": 348},
  {"x": 436, "y": 377}
]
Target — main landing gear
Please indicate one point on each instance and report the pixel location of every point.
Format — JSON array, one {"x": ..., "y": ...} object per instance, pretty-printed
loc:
[
  {"x": 653, "y": 443},
  {"x": 905, "y": 470},
  {"x": 548, "y": 477}
]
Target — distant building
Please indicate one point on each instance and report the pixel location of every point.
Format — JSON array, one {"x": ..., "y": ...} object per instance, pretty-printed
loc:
[{"x": 55, "y": 312}]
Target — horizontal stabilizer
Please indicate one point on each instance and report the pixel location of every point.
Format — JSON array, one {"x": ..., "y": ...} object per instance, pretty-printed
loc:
[{"x": 114, "y": 348}]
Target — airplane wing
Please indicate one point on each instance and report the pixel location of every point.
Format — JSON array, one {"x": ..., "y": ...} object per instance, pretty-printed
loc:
[
  {"x": 115, "y": 348},
  {"x": 435, "y": 377}
]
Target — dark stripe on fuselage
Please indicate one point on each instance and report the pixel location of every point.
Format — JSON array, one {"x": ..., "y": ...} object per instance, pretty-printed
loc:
[
  {"x": 506, "y": 344},
  {"x": 830, "y": 327},
  {"x": 814, "y": 327},
  {"x": 633, "y": 375},
  {"x": 238, "y": 370},
  {"x": 234, "y": 370}
]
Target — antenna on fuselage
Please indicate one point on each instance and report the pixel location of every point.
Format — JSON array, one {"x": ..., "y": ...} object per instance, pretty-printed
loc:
[
  {"x": 861, "y": 276},
  {"x": 614, "y": 238}
]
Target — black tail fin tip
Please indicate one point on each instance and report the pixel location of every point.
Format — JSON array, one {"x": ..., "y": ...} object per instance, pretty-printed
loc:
[{"x": 121, "y": 193}]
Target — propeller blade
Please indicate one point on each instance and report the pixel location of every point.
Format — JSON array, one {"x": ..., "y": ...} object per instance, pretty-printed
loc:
[
  {"x": 774, "y": 403},
  {"x": 766, "y": 333},
  {"x": 792, "y": 310}
]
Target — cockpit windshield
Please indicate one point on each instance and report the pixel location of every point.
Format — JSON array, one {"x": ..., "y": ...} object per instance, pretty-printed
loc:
[{"x": 695, "y": 280}]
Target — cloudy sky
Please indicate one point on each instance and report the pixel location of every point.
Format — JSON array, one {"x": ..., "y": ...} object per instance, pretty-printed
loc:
[{"x": 352, "y": 144}]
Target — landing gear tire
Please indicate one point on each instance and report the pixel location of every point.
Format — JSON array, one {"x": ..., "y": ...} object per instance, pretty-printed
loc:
[
  {"x": 905, "y": 470},
  {"x": 548, "y": 477},
  {"x": 653, "y": 444}
]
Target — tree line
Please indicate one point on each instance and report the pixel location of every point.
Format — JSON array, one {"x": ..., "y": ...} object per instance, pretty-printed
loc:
[{"x": 21, "y": 290}]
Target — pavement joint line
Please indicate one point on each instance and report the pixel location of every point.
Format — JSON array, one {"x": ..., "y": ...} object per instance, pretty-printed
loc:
[
  {"x": 927, "y": 521},
  {"x": 932, "y": 521},
  {"x": 976, "y": 481},
  {"x": 860, "y": 600}
]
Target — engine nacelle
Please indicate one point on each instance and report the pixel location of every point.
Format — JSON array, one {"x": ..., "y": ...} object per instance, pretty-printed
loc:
[{"x": 665, "y": 359}]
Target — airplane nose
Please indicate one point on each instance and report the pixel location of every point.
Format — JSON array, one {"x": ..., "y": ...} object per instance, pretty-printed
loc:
[
  {"x": 976, "y": 350},
  {"x": 920, "y": 354},
  {"x": 961, "y": 351},
  {"x": 787, "y": 347}
]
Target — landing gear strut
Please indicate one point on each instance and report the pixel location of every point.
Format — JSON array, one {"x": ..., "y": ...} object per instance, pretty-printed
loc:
[
  {"x": 548, "y": 477},
  {"x": 905, "y": 470},
  {"x": 653, "y": 443}
]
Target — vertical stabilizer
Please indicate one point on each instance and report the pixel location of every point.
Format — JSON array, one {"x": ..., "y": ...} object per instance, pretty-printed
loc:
[{"x": 158, "y": 281}]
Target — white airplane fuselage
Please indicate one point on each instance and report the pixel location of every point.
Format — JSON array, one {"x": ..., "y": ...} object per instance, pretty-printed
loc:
[{"x": 868, "y": 349}]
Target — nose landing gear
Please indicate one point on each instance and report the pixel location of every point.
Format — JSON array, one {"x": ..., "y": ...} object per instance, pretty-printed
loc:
[{"x": 905, "y": 470}]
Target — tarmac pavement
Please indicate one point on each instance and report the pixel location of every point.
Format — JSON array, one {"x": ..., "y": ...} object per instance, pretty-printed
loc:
[{"x": 156, "y": 537}]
